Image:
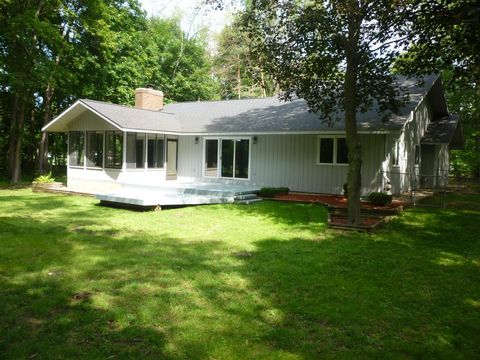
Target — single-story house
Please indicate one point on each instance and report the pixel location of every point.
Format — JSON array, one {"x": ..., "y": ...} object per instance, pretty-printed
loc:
[{"x": 257, "y": 142}]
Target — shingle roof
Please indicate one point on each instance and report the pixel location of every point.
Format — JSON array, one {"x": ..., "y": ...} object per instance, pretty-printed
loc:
[
  {"x": 252, "y": 115},
  {"x": 443, "y": 131},
  {"x": 135, "y": 119}
]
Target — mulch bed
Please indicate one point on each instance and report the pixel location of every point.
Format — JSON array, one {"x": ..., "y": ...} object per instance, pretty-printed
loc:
[
  {"x": 373, "y": 215},
  {"x": 338, "y": 201}
]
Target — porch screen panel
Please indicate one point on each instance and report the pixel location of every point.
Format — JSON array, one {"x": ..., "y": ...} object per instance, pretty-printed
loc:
[
  {"x": 241, "y": 158},
  {"x": 227, "y": 157},
  {"x": 131, "y": 156},
  {"x": 94, "y": 148},
  {"x": 155, "y": 151},
  {"x": 113, "y": 149},
  {"x": 159, "y": 151},
  {"x": 140, "y": 151},
  {"x": 76, "y": 146},
  {"x": 211, "y": 157}
]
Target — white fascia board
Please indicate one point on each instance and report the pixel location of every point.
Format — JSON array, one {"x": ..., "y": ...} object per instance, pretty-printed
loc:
[
  {"x": 153, "y": 131},
  {"x": 65, "y": 112},
  {"x": 253, "y": 133},
  {"x": 77, "y": 103}
]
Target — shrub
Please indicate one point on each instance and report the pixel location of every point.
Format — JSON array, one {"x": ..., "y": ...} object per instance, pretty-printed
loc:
[
  {"x": 345, "y": 189},
  {"x": 380, "y": 198},
  {"x": 271, "y": 192},
  {"x": 44, "y": 179}
]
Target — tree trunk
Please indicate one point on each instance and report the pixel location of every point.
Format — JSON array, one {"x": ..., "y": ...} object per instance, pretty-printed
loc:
[
  {"x": 262, "y": 84},
  {"x": 12, "y": 138},
  {"x": 43, "y": 145},
  {"x": 354, "y": 178},
  {"x": 16, "y": 155},
  {"x": 477, "y": 154},
  {"x": 239, "y": 79}
]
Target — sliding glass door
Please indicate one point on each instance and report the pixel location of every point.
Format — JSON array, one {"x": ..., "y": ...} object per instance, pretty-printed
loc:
[
  {"x": 242, "y": 156},
  {"x": 233, "y": 155},
  {"x": 211, "y": 158},
  {"x": 227, "y": 158}
]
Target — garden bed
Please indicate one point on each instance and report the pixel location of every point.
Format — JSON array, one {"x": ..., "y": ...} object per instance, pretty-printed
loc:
[{"x": 373, "y": 216}]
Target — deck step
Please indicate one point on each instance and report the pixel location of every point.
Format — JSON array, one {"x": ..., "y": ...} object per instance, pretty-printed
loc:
[
  {"x": 246, "y": 197},
  {"x": 247, "y": 202}
]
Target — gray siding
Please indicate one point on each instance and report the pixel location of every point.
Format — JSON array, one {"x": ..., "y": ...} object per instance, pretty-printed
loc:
[
  {"x": 290, "y": 160},
  {"x": 406, "y": 174}
]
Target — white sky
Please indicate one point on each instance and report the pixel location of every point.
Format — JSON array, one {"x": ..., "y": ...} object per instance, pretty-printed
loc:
[{"x": 194, "y": 15}]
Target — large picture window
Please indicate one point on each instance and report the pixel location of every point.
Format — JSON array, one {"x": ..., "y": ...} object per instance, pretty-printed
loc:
[
  {"x": 113, "y": 149},
  {"x": 155, "y": 151},
  {"x": 94, "y": 149},
  {"x": 332, "y": 150},
  {"x": 76, "y": 148}
]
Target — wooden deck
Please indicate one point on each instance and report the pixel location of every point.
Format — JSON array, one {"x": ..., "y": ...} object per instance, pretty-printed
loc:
[{"x": 180, "y": 194}]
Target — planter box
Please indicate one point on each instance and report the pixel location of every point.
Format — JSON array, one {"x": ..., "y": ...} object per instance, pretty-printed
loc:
[{"x": 46, "y": 186}]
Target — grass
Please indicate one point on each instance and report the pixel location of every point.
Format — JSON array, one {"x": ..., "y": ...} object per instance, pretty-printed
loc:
[{"x": 265, "y": 281}]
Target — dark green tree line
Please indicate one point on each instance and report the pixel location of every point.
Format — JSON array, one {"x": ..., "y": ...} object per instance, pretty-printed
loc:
[{"x": 55, "y": 51}]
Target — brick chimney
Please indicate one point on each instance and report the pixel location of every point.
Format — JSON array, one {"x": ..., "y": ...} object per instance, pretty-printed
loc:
[{"x": 148, "y": 99}]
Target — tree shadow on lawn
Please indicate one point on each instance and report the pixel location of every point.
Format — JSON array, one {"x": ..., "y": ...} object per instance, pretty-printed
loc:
[
  {"x": 410, "y": 290},
  {"x": 72, "y": 291},
  {"x": 289, "y": 213}
]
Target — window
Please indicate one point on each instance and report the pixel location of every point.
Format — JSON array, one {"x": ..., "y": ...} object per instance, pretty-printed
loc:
[
  {"x": 211, "y": 157},
  {"x": 332, "y": 150},
  {"x": 94, "y": 148},
  {"x": 76, "y": 147},
  {"x": 155, "y": 151},
  {"x": 342, "y": 151},
  {"x": 396, "y": 153},
  {"x": 417, "y": 154},
  {"x": 326, "y": 150},
  {"x": 113, "y": 149}
]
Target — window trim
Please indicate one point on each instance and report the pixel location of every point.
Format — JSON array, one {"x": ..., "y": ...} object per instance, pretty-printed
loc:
[
  {"x": 219, "y": 161},
  {"x": 335, "y": 141}
]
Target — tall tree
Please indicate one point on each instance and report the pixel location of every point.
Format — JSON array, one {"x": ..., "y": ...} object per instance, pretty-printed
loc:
[
  {"x": 337, "y": 56},
  {"x": 445, "y": 36},
  {"x": 236, "y": 68}
]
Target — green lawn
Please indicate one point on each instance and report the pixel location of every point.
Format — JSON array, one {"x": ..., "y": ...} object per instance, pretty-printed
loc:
[{"x": 265, "y": 281}]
